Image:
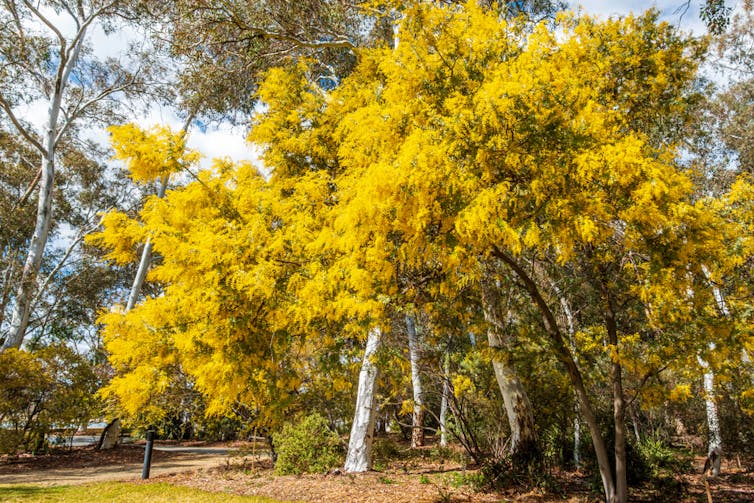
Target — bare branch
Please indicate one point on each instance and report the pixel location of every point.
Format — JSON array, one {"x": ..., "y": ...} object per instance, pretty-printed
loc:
[
  {"x": 81, "y": 33},
  {"x": 80, "y": 109},
  {"x": 47, "y": 23},
  {"x": 44, "y": 284},
  {"x": 73, "y": 15},
  {"x": 29, "y": 190},
  {"x": 19, "y": 127}
]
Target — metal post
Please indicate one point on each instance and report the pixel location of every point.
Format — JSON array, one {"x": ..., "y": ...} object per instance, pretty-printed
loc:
[{"x": 148, "y": 455}]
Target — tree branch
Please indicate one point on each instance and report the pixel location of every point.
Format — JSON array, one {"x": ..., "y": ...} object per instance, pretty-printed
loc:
[{"x": 19, "y": 127}]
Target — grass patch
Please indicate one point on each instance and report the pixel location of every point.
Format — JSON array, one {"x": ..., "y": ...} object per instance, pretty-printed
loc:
[{"x": 120, "y": 492}]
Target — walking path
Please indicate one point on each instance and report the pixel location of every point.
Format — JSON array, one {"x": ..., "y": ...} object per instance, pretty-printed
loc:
[{"x": 175, "y": 460}]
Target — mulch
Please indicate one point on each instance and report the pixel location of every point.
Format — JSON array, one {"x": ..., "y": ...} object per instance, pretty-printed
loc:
[{"x": 420, "y": 480}]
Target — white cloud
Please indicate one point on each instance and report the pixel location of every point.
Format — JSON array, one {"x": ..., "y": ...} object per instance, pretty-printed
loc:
[{"x": 223, "y": 141}]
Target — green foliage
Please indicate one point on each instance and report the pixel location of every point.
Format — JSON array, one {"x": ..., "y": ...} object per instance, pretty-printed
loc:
[
  {"x": 308, "y": 446},
  {"x": 464, "y": 478},
  {"x": 49, "y": 388}
]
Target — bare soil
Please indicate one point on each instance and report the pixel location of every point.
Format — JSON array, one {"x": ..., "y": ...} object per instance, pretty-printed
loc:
[
  {"x": 81, "y": 465},
  {"x": 416, "y": 479}
]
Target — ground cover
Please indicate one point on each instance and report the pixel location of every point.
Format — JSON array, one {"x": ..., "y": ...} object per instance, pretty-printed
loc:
[{"x": 401, "y": 475}]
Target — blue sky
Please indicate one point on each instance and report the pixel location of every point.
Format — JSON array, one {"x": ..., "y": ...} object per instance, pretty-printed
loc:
[{"x": 673, "y": 11}]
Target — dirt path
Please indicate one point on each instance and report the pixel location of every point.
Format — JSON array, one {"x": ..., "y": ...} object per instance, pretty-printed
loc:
[{"x": 123, "y": 463}]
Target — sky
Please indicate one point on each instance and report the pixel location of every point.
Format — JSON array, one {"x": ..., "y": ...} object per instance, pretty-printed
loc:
[{"x": 225, "y": 140}]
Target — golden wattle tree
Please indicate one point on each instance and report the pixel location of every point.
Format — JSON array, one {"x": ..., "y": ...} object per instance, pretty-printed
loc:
[
  {"x": 480, "y": 145},
  {"x": 227, "y": 247},
  {"x": 478, "y": 154}
]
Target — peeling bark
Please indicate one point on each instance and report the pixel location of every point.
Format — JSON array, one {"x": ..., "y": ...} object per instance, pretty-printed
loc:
[
  {"x": 715, "y": 446},
  {"x": 516, "y": 401},
  {"x": 713, "y": 419}
]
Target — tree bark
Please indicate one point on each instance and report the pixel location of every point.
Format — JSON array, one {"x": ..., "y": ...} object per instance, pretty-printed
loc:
[
  {"x": 359, "y": 456},
  {"x": 715, "y": 447},
  {"x": 25, "y": 291},
  {"x": 146, "y": 256},
  {"x": 444, "y": 401},
  {"x": 619, "y": 412},
  {"x": 417, "y": 418},
  {"x": 517, "y": 406}
]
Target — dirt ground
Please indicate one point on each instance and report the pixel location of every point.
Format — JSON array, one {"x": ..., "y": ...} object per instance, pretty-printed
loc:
[
  {"x": 80, "y": 465},
  {"x": 417, "y": 480}
]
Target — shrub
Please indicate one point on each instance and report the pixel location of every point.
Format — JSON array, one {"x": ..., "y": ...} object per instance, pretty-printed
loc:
[{"x": 308, "y": 446}]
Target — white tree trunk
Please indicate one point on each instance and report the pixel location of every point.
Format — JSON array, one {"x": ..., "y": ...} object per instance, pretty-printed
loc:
[
  {"x": 417, "y": 418},
  {"x": 359, "y": 456},
  {"x": 25, "y": 291},
  {"x": 516, "y": 401},
  {"x": 444, "y": 402},
  {"x": 715, "y": 447},
  {"x": 146, "y": 255},
  {"x": 713, "y": 419}
]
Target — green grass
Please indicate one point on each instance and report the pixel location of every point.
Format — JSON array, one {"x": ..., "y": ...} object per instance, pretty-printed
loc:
[{"x": 120, "y": 492}]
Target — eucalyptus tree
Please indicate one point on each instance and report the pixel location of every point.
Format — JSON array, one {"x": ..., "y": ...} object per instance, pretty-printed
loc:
[{"x": 49, "y": 62}]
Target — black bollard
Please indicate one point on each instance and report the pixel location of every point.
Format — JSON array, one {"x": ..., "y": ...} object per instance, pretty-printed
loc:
[{"x": 148, "y": 455}]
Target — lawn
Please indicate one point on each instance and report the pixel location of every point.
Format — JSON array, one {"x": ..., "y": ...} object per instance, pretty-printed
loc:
[{"x": 121, "y": 492}]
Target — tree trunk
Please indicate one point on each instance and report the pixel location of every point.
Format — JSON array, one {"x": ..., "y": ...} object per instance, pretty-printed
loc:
[
  {"x": 28, "y": 280},
  {"x": 417, "y": 418},
  {"x": 359, "y": 456},
  {"x": 619, "y": 413},
  {"x": 25, "y": 291},
  {"x": 570, "y": 324},
  {"x": 715, "y": 448},
  {"x": 517, "y": 405},
  {"x": 146, "y": 256},
  {"x": 444, "y": 402}
]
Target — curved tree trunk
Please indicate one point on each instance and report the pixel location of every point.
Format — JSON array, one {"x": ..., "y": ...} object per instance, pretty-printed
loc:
[
  {"x": 359, "y": 456},
  {"x": 25, "y": 291},
  {"x": 27, "y": 284},
  {"x": 564, "y": 355},
  {"x": 417, "y": 418}
]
